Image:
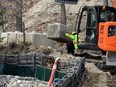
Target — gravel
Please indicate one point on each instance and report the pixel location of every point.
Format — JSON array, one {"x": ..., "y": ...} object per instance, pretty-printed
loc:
[{"x": 17, "y": 81}]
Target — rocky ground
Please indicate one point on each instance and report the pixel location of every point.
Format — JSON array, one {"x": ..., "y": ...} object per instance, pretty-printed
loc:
[{"x": 16, "y": 81}]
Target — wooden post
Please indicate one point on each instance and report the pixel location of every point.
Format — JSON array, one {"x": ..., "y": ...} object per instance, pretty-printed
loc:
[
  {"x": 23, "y": 30},
  {"x": 63, "y": 14},
  {"x": 3, "y": 24},
  {"x": 19, "y": 15}
]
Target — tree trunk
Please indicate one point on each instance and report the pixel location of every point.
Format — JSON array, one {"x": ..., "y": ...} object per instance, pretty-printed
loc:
[
  {"x": 19, "y": 15},
  {"x": 63, "y": 14},
  {"x": 23, "y": 30}
]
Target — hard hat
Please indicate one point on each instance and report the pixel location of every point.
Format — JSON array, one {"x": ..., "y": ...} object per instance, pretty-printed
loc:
[{"x": 73, "y": 32}]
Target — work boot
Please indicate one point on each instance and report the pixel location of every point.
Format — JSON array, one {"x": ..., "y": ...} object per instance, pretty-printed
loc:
[{"x": 78, "y": 51}]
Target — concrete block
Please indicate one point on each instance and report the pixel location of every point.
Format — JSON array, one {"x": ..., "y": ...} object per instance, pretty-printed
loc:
[
  {"x": 29, "y": 37},
  {"x": 12, "y": 37},
  {"x": 35, "y": 38},
  {"x": 5, "y": 36},
  {"x": 57, "y": 32},
  {"x": 41, "y": 40},
  {"x": 19, "y": 38}
]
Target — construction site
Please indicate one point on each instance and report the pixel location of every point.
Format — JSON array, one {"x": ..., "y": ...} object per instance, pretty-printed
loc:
[{"x": 57, "y": 43}]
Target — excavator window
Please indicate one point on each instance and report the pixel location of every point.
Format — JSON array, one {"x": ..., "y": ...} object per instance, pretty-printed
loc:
[
  {"x": 111, "y": 31},
  {"x": 107, "y": 16},
  {"x": 83, "y": 23},
  {"x": 91, "y": 26},
  {"x": 92, "y": 20},
  {"x": 88, "y": 25}
]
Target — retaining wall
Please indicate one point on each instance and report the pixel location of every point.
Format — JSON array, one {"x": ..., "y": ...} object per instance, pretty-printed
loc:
[{"x": 37, "y": 39}]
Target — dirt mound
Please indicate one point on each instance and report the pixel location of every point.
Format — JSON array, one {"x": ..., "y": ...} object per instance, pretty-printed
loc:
[
  {"x": 22, "y": 48},
  {"x": 98, "y": 78}
]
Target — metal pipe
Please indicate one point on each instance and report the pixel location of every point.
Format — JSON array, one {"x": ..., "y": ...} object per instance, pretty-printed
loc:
[{"x": 53, "y": 72}]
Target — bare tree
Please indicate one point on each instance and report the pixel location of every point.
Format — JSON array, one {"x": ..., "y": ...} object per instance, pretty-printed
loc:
[
  {"x": 63, "y": 14},
  {"x": 19, "y": 15}
]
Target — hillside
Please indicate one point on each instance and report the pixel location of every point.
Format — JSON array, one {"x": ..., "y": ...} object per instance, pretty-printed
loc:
[
  {"x": 37, "y": 14},
  {"x": 44, "y": 12}
]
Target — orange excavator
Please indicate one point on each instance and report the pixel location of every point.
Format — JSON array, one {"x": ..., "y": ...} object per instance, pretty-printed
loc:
[
  {"x": 96, "y": 28},
  {"x": 100, "y": 31}
]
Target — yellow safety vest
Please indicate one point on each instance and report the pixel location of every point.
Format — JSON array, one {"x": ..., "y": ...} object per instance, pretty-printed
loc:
[{"x": 74, "y": 38}]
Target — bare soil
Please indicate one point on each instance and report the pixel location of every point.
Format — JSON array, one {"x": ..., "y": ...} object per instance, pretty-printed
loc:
[
  {"x": 22, "y": 48},
  {"x": 98, "y": 78}
]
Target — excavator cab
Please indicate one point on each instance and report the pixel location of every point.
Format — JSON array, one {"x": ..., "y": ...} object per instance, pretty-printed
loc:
[{"x": 88, "y": 25}]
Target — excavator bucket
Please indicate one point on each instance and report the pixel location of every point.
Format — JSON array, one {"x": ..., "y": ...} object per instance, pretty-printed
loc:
[{"x": 67, "y": 1}]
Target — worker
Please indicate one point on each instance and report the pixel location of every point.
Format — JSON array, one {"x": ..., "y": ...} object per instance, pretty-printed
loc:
[
  {"x": 74, "y": 37},
  {"x": 70, "y": 48}
]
